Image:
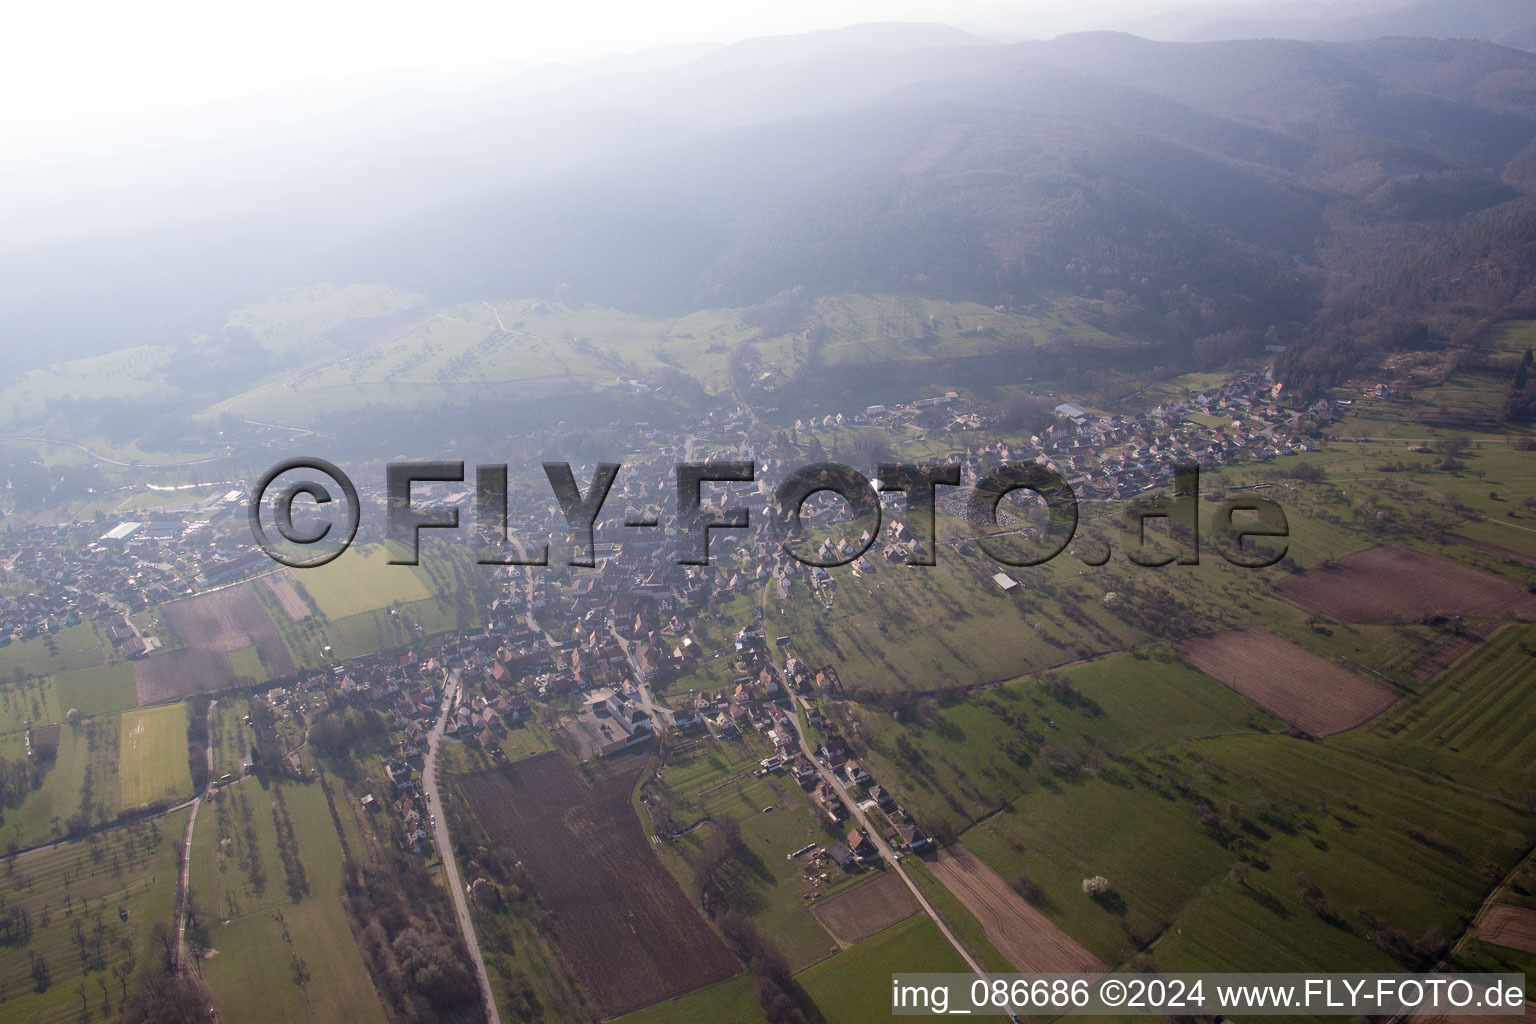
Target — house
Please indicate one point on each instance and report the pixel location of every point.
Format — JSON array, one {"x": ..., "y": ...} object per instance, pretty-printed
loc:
[
  {"x": 830, "y": 803},
  {"x": 839, "y": 854},
  {"x": 855, "y": 773},
  {"x": 863, "y": 849},
  {"x": 882, "y": 796},
  {"x": 914, "y": 839},
  {"x": 804, "y": 771}
]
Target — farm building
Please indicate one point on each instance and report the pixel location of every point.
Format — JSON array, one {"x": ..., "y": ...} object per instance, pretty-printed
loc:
[
  {"x": 1076, "y": 413},
  {"x": 122, "y": 531}
]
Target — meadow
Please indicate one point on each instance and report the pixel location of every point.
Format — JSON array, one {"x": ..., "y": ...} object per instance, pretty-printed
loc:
[
  {"x": 764, "y": 885},
  {"x": 272, "y": 896},
  {"x": 73, "y": 647},
  {"x": 1334, "y": 844},
  {"x": 80, "y": 790},
  {"x": 152, "y": 755},
  {"x": 962, "y": 760},
  {"x": 231, "y": 737},
  {"x": 856, "y": 983},
  {"x": 730, "y": 1000},
  {"x": 361, "y": 580}
]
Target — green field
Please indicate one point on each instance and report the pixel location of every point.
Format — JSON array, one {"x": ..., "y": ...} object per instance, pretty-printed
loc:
[
  {"x": 966, "y": 759},
  {"x": 361, "y": 580},
  {"x": 295, "y": 322},
  {"x": 231, "y": 737},
  {"x": 1472, "y": 728},
  {"x": 246, "y": 664},
  {"x": 72, "y": 647},
  {"x": 464, "y": 354},
  {"x": 851, "y": 987},
  {"x": 30, "y": 700},
  {"x": 152, "y": 763},
  {"x": 97, "y": 691},
  {"x": 85, "y": 883},
  {"x": 771, "y": 888},
  {"x": 731, "y": 1000},
  {"x": 241, "y": 879},
  {"x": 1374, "y": 836},
  {"x": 855, "y": 985},
  {"x": 378, "y": 630},
  {"x": 81, "y": 788},
  {"x": 130, "y": 373}
]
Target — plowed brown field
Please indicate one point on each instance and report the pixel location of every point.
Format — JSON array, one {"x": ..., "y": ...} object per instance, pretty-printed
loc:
[
  {"x": 1312, "y": 693},
  {"x": 1031, "y": 941},
  {"x": 629, "y": 934},
  {"x": 1393, "y": 584},
  {"x": 862, "y": 911},
  {"x": 1514, "y": 927}
]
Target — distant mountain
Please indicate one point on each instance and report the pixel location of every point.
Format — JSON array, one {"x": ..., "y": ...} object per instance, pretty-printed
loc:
[
  {"x": 1505, "y": 22},
  {"x": 1194, "y": 189}
]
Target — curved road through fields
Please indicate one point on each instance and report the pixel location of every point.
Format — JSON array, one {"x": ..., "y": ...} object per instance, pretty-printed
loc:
[{"x": 451, "y": 693}]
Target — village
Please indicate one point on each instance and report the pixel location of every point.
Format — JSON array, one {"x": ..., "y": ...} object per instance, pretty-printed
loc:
[{"x": 614, "y": 633}]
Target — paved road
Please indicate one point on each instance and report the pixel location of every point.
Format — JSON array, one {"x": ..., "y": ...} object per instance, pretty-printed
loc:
[
  {"x": 528, "y": 619},
  {"x": 878, "y": 839},
  {"x": 451, "y": 694},
  {"x": 875, "y": 835},
  {"x": 662, "y": 716},
  {"x": 98, "y": 456}
]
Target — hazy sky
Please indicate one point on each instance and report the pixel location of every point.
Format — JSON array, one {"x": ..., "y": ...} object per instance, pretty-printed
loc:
[{"x": 72, "y": 58}]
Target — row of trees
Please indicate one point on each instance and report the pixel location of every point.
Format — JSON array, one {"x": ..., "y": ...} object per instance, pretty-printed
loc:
[{"x": 197, "y": 740}]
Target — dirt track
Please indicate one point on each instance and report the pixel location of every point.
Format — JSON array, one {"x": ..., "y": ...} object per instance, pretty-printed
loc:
[{"x": 1031, "y": 941}]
